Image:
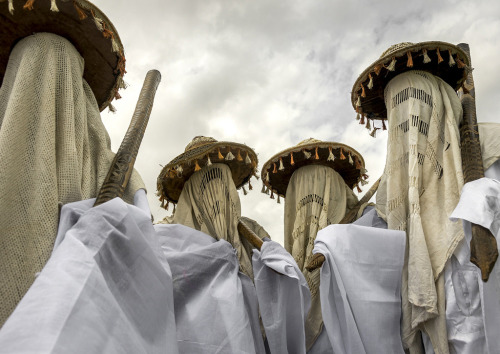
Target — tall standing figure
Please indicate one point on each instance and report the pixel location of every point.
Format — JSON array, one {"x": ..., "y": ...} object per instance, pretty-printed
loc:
[
  {"x": 317, "y": 180},
  {"x": 54, "y": 148},
  {"x": 413, "y": 88}
]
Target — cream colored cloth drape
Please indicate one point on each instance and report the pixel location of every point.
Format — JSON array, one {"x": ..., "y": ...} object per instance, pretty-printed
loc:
[
  {"x": 316, "y": 197},
  {"x": 422, "y": 180},
  {"x": 209, "y": 202},
  {"x": 54, "y": 150}
]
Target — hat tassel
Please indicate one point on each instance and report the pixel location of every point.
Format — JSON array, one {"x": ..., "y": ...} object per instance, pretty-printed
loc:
[
  {"x": 460, "y": 63},
  {"x": 392, "y": 65},
  {"x": 162, "y": 202},
  {"x": 196, "y": 166},
  {"x": 350, "y": 159},
  {"x": 363, "y": 182},
  {"x": 331, "y": 157},
  {"x": 383, "y": 125},
  {"x": 249, "y": 186},
  {"x": 238, "y": 156},
  {"x": 426, "y": 57},
  {"x": 409, "y": 63},
  {"x": 179, "y": 171},
  {"x": 29, "y": 5},
  {"x": 244, "y": 190},
  {"x": 254, "y": 173},
  {"x": 267, "y": 177},
  {"x": 291, "y": 159},
  {"x": 378, "y": 68},
  {"x": 316, "y": 157},
  {"x": 370, "y": 83},
  {"x": 263, "y": 190},
  {"x": 272, "y": 194},
  {"x": 307, "y": 154},
  {"x": 358, "y": 165},
  {"x": 362, "y": 121},
  {"x": 368, "y": 126},
  {"x": 358, "y": 116},
  {"x": 281, "y": 165},
  {"x": 166, "y": 206},
  {"x": 358, "y": 102},
  {"x": 451, "y": 62},
  {"x": 229, "y": 155},
  {"x": 374, "y": 131},
  {"x": 219, "y": 155},
  {"x": 279, "y": 202},
  {"x": 11, "y": 7},
  {"x": 53, "y": 6},
  {"x": 209, "y": 162},
  {"x": 363, "y": 94},
  {"x": 81, "y": 14},
  {"x": 248, "y": 161},
  {"x": 440, "y": 59},
  {"x": 359, "y": 189},
  {"x": 342, "y": 157},
  {"x": 274, "y": 169}
]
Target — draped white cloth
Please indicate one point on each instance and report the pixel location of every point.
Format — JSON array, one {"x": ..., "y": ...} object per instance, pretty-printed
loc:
[
  {"x": 209, "y": 202},
  {"x": 423, "y": 179},
  {"x": 360, "y": 287},
  {"x": 284, "y": 298},
  {"x": 105, "y": 289},
  {"x": 215, "y": 305},
  {"x": 54, "y": 149},
  {"x": 316, "y": 197}
]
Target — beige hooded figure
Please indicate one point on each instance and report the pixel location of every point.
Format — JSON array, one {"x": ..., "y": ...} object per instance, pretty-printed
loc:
[
  {"x": 316, "y": 178},
  {"x": 423, "y": 173},
  {"x": 54, "y": 148},
  {"x": 206, "y": 198}
]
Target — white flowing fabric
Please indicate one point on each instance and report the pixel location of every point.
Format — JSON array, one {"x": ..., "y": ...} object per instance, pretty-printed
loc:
[
  {"x": 360, "y": 288},
  {"x": 103, "y": 290},
  {"x": 474, "y": 316},
  {"x": 54, "y": 149},
  {"x": 215, "y": 305},
  {"x": 284, "y": 298}
]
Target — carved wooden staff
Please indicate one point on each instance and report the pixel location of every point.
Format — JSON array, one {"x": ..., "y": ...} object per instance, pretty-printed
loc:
[
  {"x": 251, "y": 237},
  {"x": 483, "y": 246},
  {"x": 318, "y": 259},
  {"x": 123, "y": 164}
]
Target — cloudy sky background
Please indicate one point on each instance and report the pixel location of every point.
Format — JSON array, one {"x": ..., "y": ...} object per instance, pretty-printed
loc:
[{"x": 270, "y": 73}]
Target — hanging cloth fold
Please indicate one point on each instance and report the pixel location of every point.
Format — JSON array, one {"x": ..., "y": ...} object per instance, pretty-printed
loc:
[{"x": 316, "y": 197}]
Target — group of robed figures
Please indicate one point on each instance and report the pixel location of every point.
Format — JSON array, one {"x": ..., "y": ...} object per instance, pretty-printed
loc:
[{"x": 353, "y": 277}]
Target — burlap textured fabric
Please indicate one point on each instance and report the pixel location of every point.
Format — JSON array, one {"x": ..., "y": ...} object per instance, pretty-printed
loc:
[
  {"x": 53, "y": 149},
  {"x": 209, "y": 202},
  {"x": 421, "y": 187},
  {"x": 316, "y": 197}
]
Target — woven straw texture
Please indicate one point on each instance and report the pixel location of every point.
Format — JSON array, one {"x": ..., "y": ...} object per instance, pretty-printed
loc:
[
  {"x": 316, "y": 197},
  {"x": 278, "y": 170},
  {"x": 83, "y": 24},
  {"x": 200, "y": 152},
  {"x": 444, "y": 60},
  {"x": 423, "y": 179},
  {"x": 53, "y": 149}
]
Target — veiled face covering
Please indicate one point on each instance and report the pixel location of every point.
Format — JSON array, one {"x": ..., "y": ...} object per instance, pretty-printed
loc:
[
  {"x": 316, "y": 197},
  {"x": 54, "y": 149},
  {"x": 209, "y": 202},
  {"x": 423, "y": 179}
]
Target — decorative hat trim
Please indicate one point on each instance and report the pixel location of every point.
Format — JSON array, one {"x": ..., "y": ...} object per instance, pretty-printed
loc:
[
  {"x": 110, "y": 79},
  {"x": 277, "y": 171},
  {"x": 367, "y": 93},
  {"x": 201, "y": 152}
]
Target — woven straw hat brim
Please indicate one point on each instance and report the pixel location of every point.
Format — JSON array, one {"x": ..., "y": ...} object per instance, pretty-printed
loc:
[
  {"x": 171, "y": 181},
  {"x": 372, "y": 100},
  {"x": 277, "y": 180},
  {"x": 84, "y": 25}
]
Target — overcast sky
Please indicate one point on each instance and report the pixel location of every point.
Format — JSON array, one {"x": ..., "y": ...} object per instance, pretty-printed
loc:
[{"x": 270, "y": 73}]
